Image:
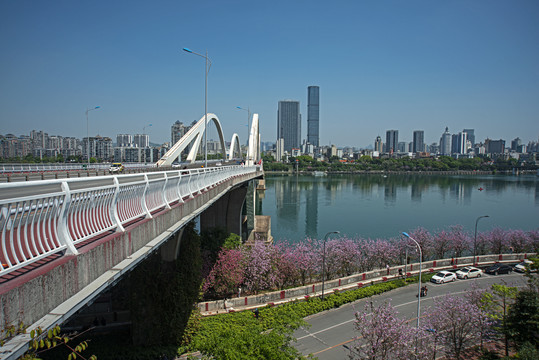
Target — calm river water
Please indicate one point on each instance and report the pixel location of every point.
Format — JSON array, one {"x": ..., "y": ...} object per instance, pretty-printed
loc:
[{"x": 382, "y": 207}]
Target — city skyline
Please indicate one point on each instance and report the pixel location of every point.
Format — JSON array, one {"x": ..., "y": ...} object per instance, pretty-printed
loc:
[{"x": 391, "y": 65}]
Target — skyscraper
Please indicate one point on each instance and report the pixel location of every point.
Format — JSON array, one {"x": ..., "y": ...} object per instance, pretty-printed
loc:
[
  {"x": 419, "y": 143},
  {"x": 470, "y": 135},
  {"x": 392, "y": 140},
  {"x": 313, "y": 115},
  {"x": 378, "y": 144},
  {"x": 289, "y": 124},
  {"x": 445, "y": 142}
]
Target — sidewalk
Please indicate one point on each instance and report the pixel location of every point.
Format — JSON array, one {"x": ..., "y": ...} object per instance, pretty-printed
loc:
[{"x": 348, "y": 283}]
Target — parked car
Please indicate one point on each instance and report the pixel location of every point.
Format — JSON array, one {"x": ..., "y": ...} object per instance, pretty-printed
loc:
[
  {"x": 116, "y": 168},
  {"x": 499, "y": 269},
  {"x": 468, "y": 272},
  {"x": 521, "y": 267},
  {"x": 443, "y": 277}
]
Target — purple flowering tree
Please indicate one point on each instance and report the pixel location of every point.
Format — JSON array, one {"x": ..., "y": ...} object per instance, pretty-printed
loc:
[
  {"x": 519, "y": 241},
  {"x": 459, "y": 240},
  {"x": 305, "y": 258},
  {"x": 425, "y": 240},
  {"x": 227, "y": 273},
  {"x": 457, "y": 322},
  {"x": 442, "y": 244},
  {"x": 498, "y": 241},
  {"x": 383, "y": 335}
]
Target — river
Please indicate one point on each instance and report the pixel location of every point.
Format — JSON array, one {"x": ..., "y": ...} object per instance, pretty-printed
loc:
[{"x": 378, "y": 206}]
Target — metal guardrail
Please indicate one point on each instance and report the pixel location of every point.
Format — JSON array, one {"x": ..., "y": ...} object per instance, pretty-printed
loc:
[
  {"x": 41, "y": 218},
  {"x": 42, "y": 167}
]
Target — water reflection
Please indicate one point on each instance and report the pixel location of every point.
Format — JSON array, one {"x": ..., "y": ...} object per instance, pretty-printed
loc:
[{"x": 377, "y": 206}]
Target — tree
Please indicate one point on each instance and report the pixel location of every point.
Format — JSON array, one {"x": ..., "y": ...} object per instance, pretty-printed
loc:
[
  {"x": 458, "y": 322},
  {"x": 382, "y": 334},
  {"x": 523, "y": 319},
  {"x": 227, "y": 274},
  {"x": 498, "y": 303}
]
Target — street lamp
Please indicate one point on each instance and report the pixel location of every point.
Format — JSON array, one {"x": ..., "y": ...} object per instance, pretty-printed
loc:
[
  {"x": 419, "y": 283},
  {"x": 324, "y": 260},
  {"x": 207, "y": 70},
  {"x": 248, "y": 121},
  {"x": 475, "y": 237},
  {"x": 88, "y": 133}
]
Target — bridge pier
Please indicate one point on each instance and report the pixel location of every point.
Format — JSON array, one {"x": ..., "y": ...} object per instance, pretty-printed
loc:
[{"x": 226, "y": 212}]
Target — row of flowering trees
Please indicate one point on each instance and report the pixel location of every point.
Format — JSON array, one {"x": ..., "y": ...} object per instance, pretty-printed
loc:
[{"x": 270, "y": 267}]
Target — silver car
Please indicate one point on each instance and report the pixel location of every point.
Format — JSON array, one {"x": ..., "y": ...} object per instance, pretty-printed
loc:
[{"x": 468, "y": 272}]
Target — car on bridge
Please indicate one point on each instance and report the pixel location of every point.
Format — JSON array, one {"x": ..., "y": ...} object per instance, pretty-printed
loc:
[
  {"x": 443, "y": 276},
  {"x": 468, "y": 272},
  {"x": 116, "y": 168}
]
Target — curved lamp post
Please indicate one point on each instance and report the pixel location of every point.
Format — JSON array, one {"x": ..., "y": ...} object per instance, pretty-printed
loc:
[
  {"x": 419, "y": 283},
  {"x": 324, "y": 260},
  {"x": 88, "y": 133},
  {"x": 475, "y": 237},
  {"x": 207, "y": 70}
]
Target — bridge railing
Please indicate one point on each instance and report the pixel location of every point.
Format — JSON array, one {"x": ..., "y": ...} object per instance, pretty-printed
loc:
[{"x": 42, "y": 218}]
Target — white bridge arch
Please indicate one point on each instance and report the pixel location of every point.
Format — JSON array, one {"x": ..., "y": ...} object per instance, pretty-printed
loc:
[{"x": 194, "y": 137}]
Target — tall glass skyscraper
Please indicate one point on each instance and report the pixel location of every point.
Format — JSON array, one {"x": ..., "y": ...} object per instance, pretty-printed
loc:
[
  {"x": 419, "y": 143},
  {"x": 392, "y": 141},
  {"x": 313, "y": 115},
  {"x": 289, "y": 124}
]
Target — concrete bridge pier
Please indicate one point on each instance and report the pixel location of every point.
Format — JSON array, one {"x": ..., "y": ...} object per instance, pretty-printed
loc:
[{"x": 226, "y": 212}]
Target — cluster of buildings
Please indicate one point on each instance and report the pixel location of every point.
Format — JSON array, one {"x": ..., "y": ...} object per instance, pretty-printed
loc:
[
  {"x": 128, "y": 148},
  {"x": 458, "y": 145}
]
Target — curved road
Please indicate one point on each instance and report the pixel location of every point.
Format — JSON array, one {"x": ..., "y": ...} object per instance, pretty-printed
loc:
[{"x": 332, "y": 332}]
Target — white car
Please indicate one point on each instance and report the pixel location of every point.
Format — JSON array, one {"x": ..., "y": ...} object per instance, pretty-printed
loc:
[
  {"x": 468, "y": 272},
  {"x": 443, "y": 276},
  {"x": 521, "y": 267}
]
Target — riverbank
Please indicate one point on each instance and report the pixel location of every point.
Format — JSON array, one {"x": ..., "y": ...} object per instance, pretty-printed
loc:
[{"x": 394, "y": 172}]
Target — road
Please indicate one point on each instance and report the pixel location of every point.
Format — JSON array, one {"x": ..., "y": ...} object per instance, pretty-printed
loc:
[{"x": 332, "y": 332}]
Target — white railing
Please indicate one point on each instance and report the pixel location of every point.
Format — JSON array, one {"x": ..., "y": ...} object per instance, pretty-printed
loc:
[
  {"x": 41, "y": 218},
  {"x": 44, "y": 167}
]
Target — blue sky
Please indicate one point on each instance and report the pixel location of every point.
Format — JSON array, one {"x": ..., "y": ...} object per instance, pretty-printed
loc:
[{"x": 406, "y": 65}]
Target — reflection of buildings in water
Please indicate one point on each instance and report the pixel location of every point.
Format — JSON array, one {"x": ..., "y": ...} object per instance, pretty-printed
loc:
[
  {"x": 461, "y": 192},
  {"x": 287, "y": 200},
  {"x": 333, "y": 186},
  {"x": 537, "y": 193},
  {"x": 417, "y": 191},
  {"x": 311, "y": 212},
  {"x": 390, "y": 194}
]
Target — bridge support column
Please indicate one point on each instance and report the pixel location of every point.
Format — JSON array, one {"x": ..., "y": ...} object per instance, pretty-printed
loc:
[
  {"x": 226, "y": 212},
  {"x": 171, "y": 249}
]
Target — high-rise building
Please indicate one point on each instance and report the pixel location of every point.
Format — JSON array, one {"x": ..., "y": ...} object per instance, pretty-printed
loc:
[
  {"x": 392, "y": 141},
  {"x": 313, "y": 115},
  {"x": 461, "y": 143},
  {"x": 124, "y": 140},
  {"x": 177, "y": 130},
  {"x": 445, "y": 142},
  {"x": 419, "y": 141},
  {"x": 289, "y": 124},
  {"x": 141, "y": 140},
  {"x": 378, "y": 146},
  {"x": 470, "y": 135},
  {"x": 515, "y": 143},
  {"x": 495, "y": 146}
]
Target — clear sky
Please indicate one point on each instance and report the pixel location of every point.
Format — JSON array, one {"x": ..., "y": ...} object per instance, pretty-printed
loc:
[{"x": 406, "y": 65}]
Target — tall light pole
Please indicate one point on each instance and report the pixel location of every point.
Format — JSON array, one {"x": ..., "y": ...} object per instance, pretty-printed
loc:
[
  {"x": 419, "y": 283},
  {"x": 207, "y": 70},
  {"x": 248, "y": 121},
  {"x": 475, "y": 237},
  {"x": 88, "y": 133},
  {"x": 324, "y": 260}
]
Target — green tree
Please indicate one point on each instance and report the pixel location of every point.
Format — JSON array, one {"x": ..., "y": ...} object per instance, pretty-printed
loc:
[
  {"x": 523, "y": 319},
  {"x": 498, "y": 303}
]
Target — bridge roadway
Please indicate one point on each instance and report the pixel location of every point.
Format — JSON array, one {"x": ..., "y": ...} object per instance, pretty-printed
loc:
[{"x": 65, "y": 241}]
